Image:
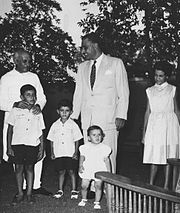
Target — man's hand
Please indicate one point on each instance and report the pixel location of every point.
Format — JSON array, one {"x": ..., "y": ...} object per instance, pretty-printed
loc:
[
  {"x": 21, "y": 105},
  {"x": 119, "y": 123},
  {"x": 36, "y": 109}
]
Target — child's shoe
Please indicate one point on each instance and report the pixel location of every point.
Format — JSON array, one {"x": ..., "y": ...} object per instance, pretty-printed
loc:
[
  {"x": 83, "y": 202},
  {"x": 74, "y": 194},
  {"x": 17, "y": 199},
  {"x": 58, "y": 194},
  {"x": 31, "y": 199},
  {"x": 97, "y": 205}
]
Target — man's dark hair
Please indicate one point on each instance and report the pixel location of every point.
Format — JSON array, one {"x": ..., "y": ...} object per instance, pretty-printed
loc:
[
  {"x": 65, "y": 103},
  {"x": 164, "y": 66},
  {"x": 27, "y": 87},
  {"x": 93, "y": 37}
]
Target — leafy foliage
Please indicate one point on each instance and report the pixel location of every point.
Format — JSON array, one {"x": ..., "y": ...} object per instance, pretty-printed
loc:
[
  {"x": 117, "y": 23},
  {"x": 114, "y": 25},
  {"x": 33, "y": 25}
]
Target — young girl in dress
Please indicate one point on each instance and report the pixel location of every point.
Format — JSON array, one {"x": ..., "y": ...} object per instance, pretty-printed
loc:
[
  {"x": 94, "y": 157},
  {"x": 161, "y": 134}
]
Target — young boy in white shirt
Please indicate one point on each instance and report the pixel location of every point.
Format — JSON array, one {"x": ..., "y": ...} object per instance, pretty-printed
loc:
[
  {"x": 25, "y": 142},
  {"x": 64, "y": 135}
]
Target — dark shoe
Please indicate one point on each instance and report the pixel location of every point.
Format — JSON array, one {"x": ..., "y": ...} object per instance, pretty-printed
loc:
[
  {"x": 90, "y": 195},
  {"x": 42, "y": 191},
  {"x": 30, "y": 199},
  {"x": 17, "y": 199}
]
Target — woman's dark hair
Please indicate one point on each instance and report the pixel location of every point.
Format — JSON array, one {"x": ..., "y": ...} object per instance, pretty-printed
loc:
[
  {"x": 27, "y": 87},
  {"x": 93, "y": 128},
  {"x": 164, "y": 66}
]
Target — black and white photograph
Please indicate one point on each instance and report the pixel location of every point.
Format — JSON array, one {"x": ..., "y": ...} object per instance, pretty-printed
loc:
[{"x": 89, "y": 106}]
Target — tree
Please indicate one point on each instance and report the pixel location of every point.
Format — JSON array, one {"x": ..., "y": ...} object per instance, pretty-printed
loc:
[
  {"x": 33, "y": 25},
  {"x": 160, "y": 36},
  {"x": 114, "y": 24},
  {"x": 158, "y": 40}
]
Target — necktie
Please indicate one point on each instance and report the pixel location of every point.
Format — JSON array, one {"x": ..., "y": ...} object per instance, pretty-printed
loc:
[{"x": 93, "y": 74}]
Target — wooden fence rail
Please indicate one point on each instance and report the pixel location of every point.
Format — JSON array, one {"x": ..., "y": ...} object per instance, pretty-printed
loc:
[{"x": 125, "y": 195}]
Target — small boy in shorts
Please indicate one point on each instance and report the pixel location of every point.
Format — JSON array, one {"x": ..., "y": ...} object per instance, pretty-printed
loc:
[
  {"x": 64, "y": 135},
  {"x": 25, "y": 142}
]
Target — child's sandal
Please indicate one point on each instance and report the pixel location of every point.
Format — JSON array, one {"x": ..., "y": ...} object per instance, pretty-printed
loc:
[
  {"x": 74, "y": 194},
  {"x": 97, "y": 205},
  {"x": 58, "y": 194},
  {"x": 83, "y": 202}
]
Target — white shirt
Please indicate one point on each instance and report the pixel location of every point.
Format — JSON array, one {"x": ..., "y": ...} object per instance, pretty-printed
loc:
[
  {"x": 64, "y": 136},
  {"x": 27, "y": 127},
  {"x": 10, "y": 85}
]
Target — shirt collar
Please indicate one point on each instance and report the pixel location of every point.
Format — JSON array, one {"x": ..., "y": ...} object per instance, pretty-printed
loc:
[
  {"x": 162, "y": 86},
  {"x": 68, "y": 121},
  {"x": 99, "y": 59},
  {"x": 23, "y": 73}
]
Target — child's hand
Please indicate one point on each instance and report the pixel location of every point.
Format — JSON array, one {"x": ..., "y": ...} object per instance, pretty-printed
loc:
[
  {"x": 40, "y": 155},
  {"x": 40, "y": 152},
  {"x": 52, "y": 156},
  {"x": 81, "y": 169},
  {"x": 75, "y": 156},
  {"x": 142, "y": 141},
  {"x": 10, "y": 152}
]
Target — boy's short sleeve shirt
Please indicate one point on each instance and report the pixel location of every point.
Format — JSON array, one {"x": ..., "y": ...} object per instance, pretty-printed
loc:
[
  {"x": 27, "y": 127},
  {"x": 64, "y": 137}
]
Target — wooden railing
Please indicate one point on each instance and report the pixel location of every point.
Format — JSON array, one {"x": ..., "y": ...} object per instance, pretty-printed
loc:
[{"x": 125, "y": 195}]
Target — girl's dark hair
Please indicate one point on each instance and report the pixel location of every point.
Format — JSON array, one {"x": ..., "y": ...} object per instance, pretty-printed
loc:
[
  {"x": 65, "y": 103},
  {"x": 27, "y": 87},
  {"x": 164, "y": 66},
  {"x": 93, "y": 128}
]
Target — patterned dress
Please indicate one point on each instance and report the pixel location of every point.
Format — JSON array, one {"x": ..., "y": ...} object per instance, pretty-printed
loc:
[{"x": 162, "y": 135}]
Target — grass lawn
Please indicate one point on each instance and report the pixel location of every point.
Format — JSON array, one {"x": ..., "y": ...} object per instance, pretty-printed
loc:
[
  {"x": 44, "y": 204},
  {"x": 129, "y": 164}
]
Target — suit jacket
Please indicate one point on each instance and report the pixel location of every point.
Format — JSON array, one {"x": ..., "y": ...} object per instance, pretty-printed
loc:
[{"x": 109, "y": 97}]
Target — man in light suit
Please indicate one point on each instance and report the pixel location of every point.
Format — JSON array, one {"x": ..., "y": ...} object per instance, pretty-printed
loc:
[{"x": 106, "y": 103}]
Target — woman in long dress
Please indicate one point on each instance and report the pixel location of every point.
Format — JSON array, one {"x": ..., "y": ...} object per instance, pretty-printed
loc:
[{"x": 161, "y": 134}]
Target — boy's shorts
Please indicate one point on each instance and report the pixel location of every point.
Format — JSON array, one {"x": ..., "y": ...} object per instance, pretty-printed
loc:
[
  {"x": 65, "y": 163},
  {"x": 26, "y": 155}
]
